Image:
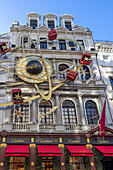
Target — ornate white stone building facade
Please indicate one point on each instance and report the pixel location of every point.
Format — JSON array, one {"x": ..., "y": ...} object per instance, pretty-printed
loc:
[
  {"x": 76, "y": 121},
  {"x": 78, "y": 93}
]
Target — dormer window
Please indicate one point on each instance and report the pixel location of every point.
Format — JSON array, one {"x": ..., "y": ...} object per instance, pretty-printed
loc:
[
  {"x": 33, "y": 23},
  {"x": 51, "y": 24},
  {"x": 68, "y": 25}
]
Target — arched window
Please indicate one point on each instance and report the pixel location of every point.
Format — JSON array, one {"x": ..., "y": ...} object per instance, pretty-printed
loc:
[
  {"x": 24, "y": 108},
  {"x": 25, "y": 40},
  {"x": 85, "y": 73},
  {"x": 44, "y": 107},
  {"x": 92, "y": 112},
  {"x": 69, "y": 112},
  {"x": 61, "y": 68}
]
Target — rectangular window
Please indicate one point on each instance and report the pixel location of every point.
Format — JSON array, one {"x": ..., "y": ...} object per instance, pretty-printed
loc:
[
  {"x": 105, "y": 58},
  {"x": 82, "y": 43},
  {"x": 68, "y": 25},
  {"x": 111, "y": 81},
  {"x": 47, "y": 163},
  {"x": 62, "y": 45},
  {"x": 33, "y": 23},
  {"x": 16, "y": 163},
  {"x": 51, "y": 25},
  {"x": 43, "y": 44}
]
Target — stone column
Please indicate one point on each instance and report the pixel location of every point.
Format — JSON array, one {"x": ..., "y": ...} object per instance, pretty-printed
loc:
[
  {"x": 32, "y": 160},
  {"x": 2, "y": 156},
  {"x": 89, "y": 146},
  {"x": 81, "y": 110},
  {"x": 58, "y": 111},
  {"x": 62, "y": 158},
  {"x": 3, "y": 146},
  {"x": 34, "y": 111}
]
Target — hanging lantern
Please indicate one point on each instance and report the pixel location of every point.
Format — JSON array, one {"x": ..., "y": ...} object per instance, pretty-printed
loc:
[
  {"x": 85, "y": 59},
  {"x": 52, "y": 35},
  {"x": 3, "y": 48},
  {"x": 71, "y": 75},
  {"x": 17, "y": 96}
]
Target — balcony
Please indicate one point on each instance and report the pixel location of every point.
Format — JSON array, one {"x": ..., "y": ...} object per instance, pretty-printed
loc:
[
  {"x": 46, "y": 128},
  {"x": 20, "y": 126}
]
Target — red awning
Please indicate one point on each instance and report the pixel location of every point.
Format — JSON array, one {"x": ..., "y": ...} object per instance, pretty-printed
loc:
[
  {"x": 48, "y": 150},
  {"x": 79, "y": 151},
  {"x": 17, "y": 150},
  {"x": 106, "y": 150}
]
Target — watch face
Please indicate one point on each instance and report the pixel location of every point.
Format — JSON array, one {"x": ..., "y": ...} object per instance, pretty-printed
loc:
[{"x": 33, "y": 69}]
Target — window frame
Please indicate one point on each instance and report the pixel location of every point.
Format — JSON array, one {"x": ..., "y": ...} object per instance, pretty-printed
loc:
[
  {"x": 52, "y": 21},
  {"x": 45, "y": 112},
  {"x": 76, "y": 116},
  {"x": 64, "y": 77},
  {"x": 86, "y": 75},
  {"x": 43, "y": 43},
  {"x": 93, "y": 100},
  {"x": 36, "y": 25},
  {"x": 26, "y": 113},
  {"x": 69, "y": 27},
  {"x": 78, "y": 47},
  {"x": 62, "y": 46}
]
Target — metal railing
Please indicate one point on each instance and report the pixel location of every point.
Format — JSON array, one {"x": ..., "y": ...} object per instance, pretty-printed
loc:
[{"x": 20, "y": 126}]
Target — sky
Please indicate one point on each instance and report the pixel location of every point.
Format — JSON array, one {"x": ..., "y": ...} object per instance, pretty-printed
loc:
[{"x": 97, "y": 15}]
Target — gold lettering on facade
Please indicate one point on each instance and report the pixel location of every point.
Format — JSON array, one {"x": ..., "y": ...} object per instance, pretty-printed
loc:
[
  {"x": 73, "y": 141},
  {"x": 17, "y": 140},
  {"x": 44, "y": 141},
  {"x": 102, "y": 141}
]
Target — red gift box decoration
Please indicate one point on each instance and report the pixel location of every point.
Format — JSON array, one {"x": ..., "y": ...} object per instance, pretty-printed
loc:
[
  {"x": 71, "y": 75},
  {"x": 85, "y": 59},
  {"x": 52, "y": 35},
  {"x": 3, "y": 48},
  {"x": 17, "y": 96}
]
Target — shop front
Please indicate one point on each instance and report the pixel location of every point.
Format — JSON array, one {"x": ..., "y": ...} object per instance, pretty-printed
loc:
[
  {"x": 103, "y": 149},
  {"x": 26, "y": 151},
  {"x": 33, "y": 151}
]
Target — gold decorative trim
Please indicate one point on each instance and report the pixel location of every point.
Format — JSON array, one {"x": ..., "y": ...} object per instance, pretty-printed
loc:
[
  {"x": 91, "y": 163},
  {"x": 60, "y": 140},
  {"x": 62, "y": 163},
  {"x": 32, "y": 145},
  {"x": 3, "y": 145},
  {"x": 32, "y": 163},
  {"x": 88, "y": 140},
  {"x": 3, "y": 139},
  {"x": 61, "y": 145},
  {"x": 32, "y": 140},
  {"x": 89, "y": 146},
  {"x": 1, "y": 164}
]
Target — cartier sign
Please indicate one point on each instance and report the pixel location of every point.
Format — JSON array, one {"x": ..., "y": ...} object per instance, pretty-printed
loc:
[
  {"x": 18, "y": 140},
  {"x": 101, "y": 141},
  {"x": 74, "y": 141},
  {"x": 46, "y": 140}
]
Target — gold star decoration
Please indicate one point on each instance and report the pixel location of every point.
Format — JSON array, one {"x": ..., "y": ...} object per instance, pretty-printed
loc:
[
  {"x": 4, "y": 47},
  {"x": 86, "y": 58},
  {"x": 18, "y": 113},
  {"x": 83, "y": 72},
  {"x": 18, "y": 97},
  {"x": 40, "y": 116}
]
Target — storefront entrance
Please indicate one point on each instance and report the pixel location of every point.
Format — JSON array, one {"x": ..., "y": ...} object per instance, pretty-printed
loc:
[
  {"x": 17, "y": 163},
  {"x": 77, "y": 163},
  {"x": 47, "y": 163},
  {"x": 107, "y": 163}
]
